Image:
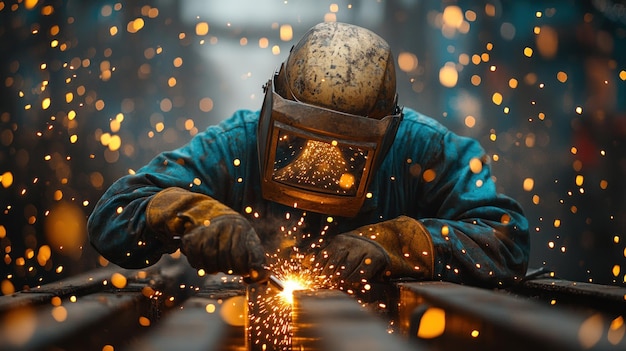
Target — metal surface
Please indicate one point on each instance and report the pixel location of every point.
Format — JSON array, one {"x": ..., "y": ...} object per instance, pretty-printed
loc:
[
  {"x": 196, "y": 325},
  {"x": 94, "y": 313},
  {"x": 169, "y": 307},
  {"x": 484, "y": 319},
  {"x": 576, "y": 295},
  {"x": 78, "y": 285},
  {"x": 269, "y": 318},
  {"x": 332, "y": 320}
]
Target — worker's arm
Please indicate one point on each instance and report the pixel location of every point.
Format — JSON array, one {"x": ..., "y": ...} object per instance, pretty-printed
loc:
[
  {"x": 457, "y": 227},
  {"x": 119, "y": 227},
  {"x": 479, "y": 236}
]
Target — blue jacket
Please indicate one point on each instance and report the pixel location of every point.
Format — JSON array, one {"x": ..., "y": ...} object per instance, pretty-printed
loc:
[{"x": 430, "y": 174}]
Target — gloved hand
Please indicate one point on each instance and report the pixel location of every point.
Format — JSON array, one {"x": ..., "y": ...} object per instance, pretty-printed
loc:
[
  {"x": 228, "y": 244},
  {"x": 397, "y": 248},
  {"x": 212, "y": 236},
  {"x": 349, "y": 258}
]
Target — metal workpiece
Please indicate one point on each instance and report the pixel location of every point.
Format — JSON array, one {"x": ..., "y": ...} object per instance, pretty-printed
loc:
[
  {"x": 442, "y": 316},
  {"x": 199, "y": 324},
  {"x": 269, "y": 317},
  {"x": 333, "y": 320},
  {"x": 576, "y": 295},
  {"x": 169, "y": 306},
  {"x": 89, "y": 311},
  {"x": 80, "y": 284},
  {"x": 212, "y": 319}
]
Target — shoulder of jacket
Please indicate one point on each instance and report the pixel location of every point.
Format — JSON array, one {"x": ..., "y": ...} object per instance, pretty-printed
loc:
[
  {"x": 242, "y": 125},
  {"x": 417, "y": 122},
  {"x": 240, "y": 119}
]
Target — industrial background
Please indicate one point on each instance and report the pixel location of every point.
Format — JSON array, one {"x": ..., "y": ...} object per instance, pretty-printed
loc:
[{"x": 92, "y": 90}]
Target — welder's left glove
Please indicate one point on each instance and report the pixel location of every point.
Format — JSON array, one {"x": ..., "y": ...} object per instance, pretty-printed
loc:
[
  {"x": 212, "y": 236},
  {"x": 400, "y": 247}
]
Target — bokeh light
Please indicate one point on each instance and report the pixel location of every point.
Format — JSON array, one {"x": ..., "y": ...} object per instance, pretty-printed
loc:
[{"x": 91, "y": 91}]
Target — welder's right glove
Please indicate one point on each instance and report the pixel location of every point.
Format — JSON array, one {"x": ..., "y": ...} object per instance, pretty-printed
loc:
[
  {"x": 396, "y": 248},
  {"x": 350, "y": 258},
  {"x": 212, "y": 236}
]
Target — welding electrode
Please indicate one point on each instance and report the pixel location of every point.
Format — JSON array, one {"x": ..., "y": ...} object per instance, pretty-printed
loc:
[{"x": 276, "y": 283}]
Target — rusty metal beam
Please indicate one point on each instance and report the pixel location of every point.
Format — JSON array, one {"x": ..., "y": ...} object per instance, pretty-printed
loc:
[
  {"x": 202, "y": 322},
  {"x": 83, "y": 324},
  {"x": 332, "y": 320},
  {"x": 77, "y": 285},
  {"x": 577, "y": 295},
  {"x": 472, "y": 318},
  {"x": 193, "y": 326},
  {"x": 84, "y": 313}
]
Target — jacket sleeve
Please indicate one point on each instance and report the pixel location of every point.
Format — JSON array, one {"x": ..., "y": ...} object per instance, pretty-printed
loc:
[
  {"x": 479, "y": 236},
  {"x": 117, "y": 226}
]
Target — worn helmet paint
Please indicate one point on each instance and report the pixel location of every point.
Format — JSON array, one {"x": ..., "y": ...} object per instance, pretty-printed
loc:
[
  {"x": 328, "y": 119},
  {"x": 343, "y": 67}
]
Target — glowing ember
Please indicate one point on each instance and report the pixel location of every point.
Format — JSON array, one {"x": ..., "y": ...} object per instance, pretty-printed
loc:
[
  {"x": 65, "y": 135},
  {"x": 269, "y": 307}
]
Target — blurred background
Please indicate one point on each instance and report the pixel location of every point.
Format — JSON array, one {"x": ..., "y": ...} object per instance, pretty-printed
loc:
[{"x": 92, "y": 90}]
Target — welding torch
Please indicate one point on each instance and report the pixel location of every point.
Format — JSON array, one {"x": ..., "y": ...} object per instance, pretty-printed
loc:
[
  {"x": 273, "y": 280},
  {"x": 276, "y": 283}
]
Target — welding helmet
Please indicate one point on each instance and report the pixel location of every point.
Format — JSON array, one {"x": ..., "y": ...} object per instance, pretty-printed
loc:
[{"x": 328, "y": 118}]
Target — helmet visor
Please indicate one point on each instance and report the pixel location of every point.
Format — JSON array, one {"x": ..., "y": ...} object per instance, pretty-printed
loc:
[
  {"x": 326, "y": 166},
  {"x": 319, "y": 159}
]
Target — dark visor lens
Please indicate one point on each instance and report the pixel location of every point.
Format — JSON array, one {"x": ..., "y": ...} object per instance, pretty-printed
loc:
[{"x": 324, "y": 166}]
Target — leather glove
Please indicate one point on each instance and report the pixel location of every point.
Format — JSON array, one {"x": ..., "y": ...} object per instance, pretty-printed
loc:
[
  {"x": 212, "y": 236},
  {"x": 397, "y": 248},
  {"x": 350, "y": 258}
]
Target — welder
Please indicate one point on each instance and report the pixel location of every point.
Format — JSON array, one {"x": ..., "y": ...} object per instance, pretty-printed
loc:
[{"x": 370, "y": 191}]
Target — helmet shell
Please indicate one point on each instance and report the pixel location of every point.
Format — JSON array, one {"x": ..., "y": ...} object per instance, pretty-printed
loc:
[{"x": 342, "y": 67}]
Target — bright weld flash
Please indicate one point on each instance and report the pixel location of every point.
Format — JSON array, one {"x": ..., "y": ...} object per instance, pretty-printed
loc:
[{"x": 292, "y": 283}]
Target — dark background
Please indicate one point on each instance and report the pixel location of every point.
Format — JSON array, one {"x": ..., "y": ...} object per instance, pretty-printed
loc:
[{"x": 91, "y": 90}]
